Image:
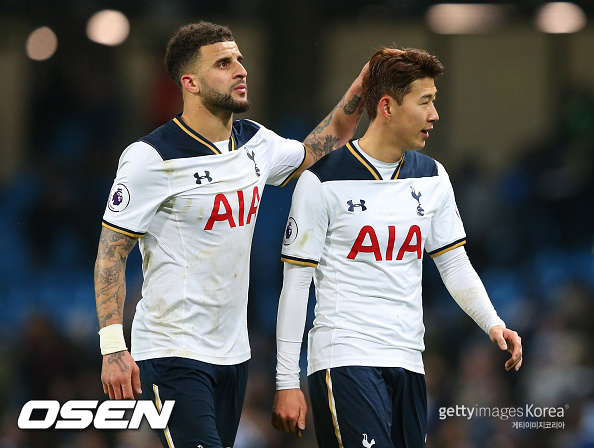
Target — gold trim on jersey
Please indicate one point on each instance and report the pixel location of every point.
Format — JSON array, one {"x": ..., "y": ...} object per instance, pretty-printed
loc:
[
  {"x": 364, "y": 162},
  {"x": 204, "y": 142},
  {"x": 122, "y": 231},
  {"x": 399, "y": 167},
  {"x": 448, "y": 248},
  {"x": 299, "y": 262},
  {"x": 296, "y": 169}
]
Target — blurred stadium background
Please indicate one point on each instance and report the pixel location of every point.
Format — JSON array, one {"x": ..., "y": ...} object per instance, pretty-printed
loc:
[{"x": 81, "y": 80}]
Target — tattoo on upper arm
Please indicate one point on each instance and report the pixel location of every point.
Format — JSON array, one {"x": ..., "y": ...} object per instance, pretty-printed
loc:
[
  {"x": 110, "y": 278},
  {"x": 320, "y": 141}
]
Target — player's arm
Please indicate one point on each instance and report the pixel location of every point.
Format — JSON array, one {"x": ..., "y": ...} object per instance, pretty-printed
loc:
[
  {"x": 289, "y": 408},
  {"x": 120, "y": 374},
  {"x": 338, "y": 127},
  {"x": 303, "y": 245},
  {"x": 467, "y": 289}
]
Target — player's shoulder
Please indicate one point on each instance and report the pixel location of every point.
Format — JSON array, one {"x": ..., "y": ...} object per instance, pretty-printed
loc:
[
  {"x": 416, "y": 165},
  {"x": 140, "y": 161},
  {"x": 340, "y": 164},
  {"x": 140, "y": 152},
  {"x": 161, "y": 135},
  {"x": 176, "y": 140},
  {"x": 347, "y": 163},
  {"x": 245, "y": 130},
  {"x": 169, "y": 140},
  {"x": 247, "y": 126}
]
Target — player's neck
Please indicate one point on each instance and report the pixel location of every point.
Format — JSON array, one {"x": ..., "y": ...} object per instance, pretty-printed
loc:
[
  {"x": 380, "y": 145},
  {"x": 215, "y": 125}
]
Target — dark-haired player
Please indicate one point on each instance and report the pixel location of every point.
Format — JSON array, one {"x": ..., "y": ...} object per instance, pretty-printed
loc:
[
  {"x": 189, "y": 192},
  {"x": 360, "y": 221}
]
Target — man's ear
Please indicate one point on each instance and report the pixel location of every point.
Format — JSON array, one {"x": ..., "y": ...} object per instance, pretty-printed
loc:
[
  {"x": 385, "y": 106},
  {"x": 190, "y": 83}
]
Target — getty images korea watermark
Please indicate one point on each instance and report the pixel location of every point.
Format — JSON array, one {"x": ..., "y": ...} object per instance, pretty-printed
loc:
[
  {"x": 80, "y": 414},
  {"x": 552, "y": 417}
]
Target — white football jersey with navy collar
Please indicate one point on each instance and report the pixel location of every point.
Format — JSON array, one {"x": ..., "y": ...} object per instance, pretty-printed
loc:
[
  {"x": 195, "y": 209},
  {"x": 366, "y": 236}
]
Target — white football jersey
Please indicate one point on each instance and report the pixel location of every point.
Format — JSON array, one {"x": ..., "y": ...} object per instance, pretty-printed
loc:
[
  {"x": 195, "y": 209},
  {"x": 366, "y": 236}
]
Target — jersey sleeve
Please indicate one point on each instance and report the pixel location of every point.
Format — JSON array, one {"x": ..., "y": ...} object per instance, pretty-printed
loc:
[
  {"x": 447, "y": 229},
  {"x": 287, "y": 156},
  {"x": 139, "y": 188},
  {"x": 307, "y": 224}
]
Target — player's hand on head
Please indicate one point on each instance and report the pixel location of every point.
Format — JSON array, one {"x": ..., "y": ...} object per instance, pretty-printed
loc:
[
  {"x": 364, "y": 70},
  {"x": 288, "y": 411},
  {"x": 120, "y": 376},
  {"x": 358, "y": 83},
  {"x": 510, "y": 341}
]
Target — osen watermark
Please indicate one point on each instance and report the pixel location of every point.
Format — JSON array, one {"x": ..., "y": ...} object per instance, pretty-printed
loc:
[{"x": 80, "y": 414}]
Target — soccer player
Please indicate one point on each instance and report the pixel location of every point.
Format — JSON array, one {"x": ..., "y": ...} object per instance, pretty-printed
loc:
[
  {"x": 189, "y": 192},
  {"x": 360, "y": 220}
]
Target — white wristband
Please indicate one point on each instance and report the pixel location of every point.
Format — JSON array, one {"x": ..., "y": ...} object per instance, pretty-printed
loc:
[{"x": 111, "y": 339}]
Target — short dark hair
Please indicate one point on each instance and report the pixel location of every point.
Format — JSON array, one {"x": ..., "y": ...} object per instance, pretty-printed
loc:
[
  {"x": 184, "y": 46},
  {"x": 391, "y": 72}
]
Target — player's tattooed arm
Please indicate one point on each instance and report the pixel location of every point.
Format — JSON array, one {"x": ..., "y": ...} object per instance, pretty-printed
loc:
[
  {"x": 110, "y": 276},
  {"x": 339, "y": 125},
  {"x": 336, "y": 129},
  {"x": 120, "y": 375}
]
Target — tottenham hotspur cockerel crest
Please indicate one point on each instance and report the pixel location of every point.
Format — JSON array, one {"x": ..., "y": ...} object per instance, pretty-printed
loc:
[{"x": 417, "y": 196}]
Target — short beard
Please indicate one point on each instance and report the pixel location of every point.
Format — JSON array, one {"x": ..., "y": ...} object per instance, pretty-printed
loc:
[{"x": 224, "y": 101}]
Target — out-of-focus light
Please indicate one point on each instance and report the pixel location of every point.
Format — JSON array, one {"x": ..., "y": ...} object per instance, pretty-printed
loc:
[
  {"x": 458, "y": 18},
  {"x": 560, "y": 17},
  {"x": 41, "y": 44},
  {"x": 108, "y": 27}
]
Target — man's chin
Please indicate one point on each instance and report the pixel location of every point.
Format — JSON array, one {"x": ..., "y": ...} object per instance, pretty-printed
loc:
[{"x": 241, "y": 107}]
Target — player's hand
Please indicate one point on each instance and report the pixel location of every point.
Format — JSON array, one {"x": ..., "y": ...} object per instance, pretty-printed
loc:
[
  {"x": 358, "y": 83},
  {"x": 363, "y": 72},
  {"x": 288, "y": 411},
  {"x": 357, "y": 86},
  {"x": 508, "y": 340},
  {"x": 120, "y": 376}
]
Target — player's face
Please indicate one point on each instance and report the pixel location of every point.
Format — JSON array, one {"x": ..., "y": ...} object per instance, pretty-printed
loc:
[
  {"x": 222, "y": 77},
  {"x": 413, "y": 120}
]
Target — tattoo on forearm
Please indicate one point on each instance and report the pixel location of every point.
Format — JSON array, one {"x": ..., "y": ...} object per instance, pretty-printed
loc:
[
  {"x": 320, "y": 141},
  {"x": 320, "y": 145},
  {"x": 110, "y": 278},
  {"x": 116, "y": 358},
  {"x": 353, "y": 106}
]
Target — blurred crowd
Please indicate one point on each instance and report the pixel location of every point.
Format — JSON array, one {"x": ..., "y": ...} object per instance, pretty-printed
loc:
[{"x": 530, "y": 236}]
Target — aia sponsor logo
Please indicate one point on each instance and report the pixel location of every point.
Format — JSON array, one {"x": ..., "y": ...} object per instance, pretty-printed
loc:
[
  {"x": 237, "y": 210},
  {"x": 367, "y": 242}
]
